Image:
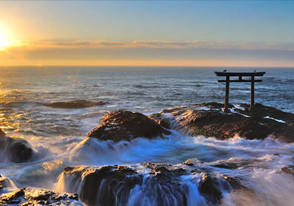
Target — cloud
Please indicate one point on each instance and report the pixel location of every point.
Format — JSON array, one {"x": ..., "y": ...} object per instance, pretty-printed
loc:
[
  {"x": 148, "y": 52},
  {"x": 86, "y": 44}
]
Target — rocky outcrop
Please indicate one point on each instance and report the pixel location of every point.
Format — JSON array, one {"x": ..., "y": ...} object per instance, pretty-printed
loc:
[
  {"x": 154, "y": 183},
  {"x": 125, "y": 125},
  {"x": 289, "y": 169},
  {"x": 209, "y": 187},
  {"x": 161, "y": 120},
  {"x": 75, "y": 104},
  {"x": 15, "y": 149},
  {"x": 108, "y": 185},
  {"x": 5, "y": 183},
  {"x": 33, "y": 196},
  {"x": 202, "y": 119},
  {"x": 208, "y": 120}
]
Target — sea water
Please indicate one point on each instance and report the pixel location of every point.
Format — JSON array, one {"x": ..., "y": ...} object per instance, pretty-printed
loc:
[{"x": 57, "y": 134}]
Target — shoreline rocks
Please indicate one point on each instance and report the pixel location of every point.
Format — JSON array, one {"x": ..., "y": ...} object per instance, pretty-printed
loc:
[
  {"x": 76, "y": 104},
  {"x": 205, "y": 119},
  {"x": 208, "y": 120},
  {"x": 101, "y": 186},
  {"x": 156, "y": 183},
  {"x": 15, "y": 150},
  {"x": 34, "y": 196},
  {"x": 5, "y": 183},
  {"x": 125, "y": 125}
]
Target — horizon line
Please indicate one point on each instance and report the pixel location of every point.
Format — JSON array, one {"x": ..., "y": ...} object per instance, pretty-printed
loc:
[{"x": 144, "y": 66}]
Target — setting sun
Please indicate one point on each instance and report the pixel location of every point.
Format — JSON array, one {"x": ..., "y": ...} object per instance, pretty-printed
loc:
[{"x": 3, "y": 41}]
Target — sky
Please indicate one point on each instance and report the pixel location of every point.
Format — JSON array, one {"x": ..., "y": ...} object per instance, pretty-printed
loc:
[{"x": 147, "y": 33}]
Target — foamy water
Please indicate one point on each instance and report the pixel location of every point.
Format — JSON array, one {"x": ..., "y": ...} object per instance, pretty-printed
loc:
[{"x": 57, "y": 135}]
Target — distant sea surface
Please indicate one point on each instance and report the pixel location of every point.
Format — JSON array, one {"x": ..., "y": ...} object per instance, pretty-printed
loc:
[
  {"x": 56, "y": 132},
  {"x": 24, "y": 91}
]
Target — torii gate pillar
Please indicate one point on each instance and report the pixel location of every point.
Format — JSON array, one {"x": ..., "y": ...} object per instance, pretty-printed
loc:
[{"x": 240, "y": 75}]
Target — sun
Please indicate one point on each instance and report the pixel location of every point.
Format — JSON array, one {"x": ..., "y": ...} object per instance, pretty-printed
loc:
[{"x": 3, "y": 41}]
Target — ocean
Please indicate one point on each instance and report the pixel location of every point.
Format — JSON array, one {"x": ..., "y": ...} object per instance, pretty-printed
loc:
[{"x": 56, "y": 133}]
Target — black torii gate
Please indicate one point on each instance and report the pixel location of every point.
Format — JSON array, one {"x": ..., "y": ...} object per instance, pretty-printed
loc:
[{"x": 240, "y": 75}]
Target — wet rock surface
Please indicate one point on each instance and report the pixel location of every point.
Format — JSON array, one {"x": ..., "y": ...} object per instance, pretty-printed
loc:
[
  {"x": 5, "y": 183},
  {"x": 34, "y": 196},
  {"x": 108, "y": 185},
  {"x": 210, "y": 188},
  {"x": 76, "y": 104},
  {"x": 155, "y": 183},
  {"x": 1, "y": 133},
  {"x": 208, "y": 120},
  {"x": 125, "y": 125},
  {"x": 289, "y": 169},
  {"x": 161, "y": 120},
  {"x": 15, "y": 149}
]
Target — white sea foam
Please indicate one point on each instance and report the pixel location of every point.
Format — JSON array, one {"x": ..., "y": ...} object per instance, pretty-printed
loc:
[{"x": 56, "y": 135}]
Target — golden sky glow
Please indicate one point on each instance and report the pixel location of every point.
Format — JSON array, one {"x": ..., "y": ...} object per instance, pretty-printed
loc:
[
  {"x": 3, "y": 41},
  {"x": 142, "y": 33}
]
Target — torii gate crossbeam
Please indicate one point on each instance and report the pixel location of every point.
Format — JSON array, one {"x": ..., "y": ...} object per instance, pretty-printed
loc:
[{"x": 252, "y": 79}]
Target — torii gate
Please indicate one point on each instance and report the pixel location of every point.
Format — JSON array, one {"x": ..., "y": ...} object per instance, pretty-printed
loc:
[{"x": 240, "y": 75}]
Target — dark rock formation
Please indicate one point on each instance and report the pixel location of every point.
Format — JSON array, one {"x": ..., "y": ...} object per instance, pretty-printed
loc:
[
  {"x": 125, "y": 125},
  {"x": 166, "y": 185},
  {"x": 159, "y": 184},
  {"x": 5, "y": 183},
  {"x": 13, "y": 197},
  {"x": 1, "y": 133},
  {"x": 161, "y": 120},
  {"x": 15, "y": 149},
  {"x": 75, "y": 104},
  {"x": 209, "y": 187},
  {"x": 108, "y": 185},
  {"x": 289, "y": 169},
  {"x": 208, "y": 120},
  {"x": 33, "y": 196}
]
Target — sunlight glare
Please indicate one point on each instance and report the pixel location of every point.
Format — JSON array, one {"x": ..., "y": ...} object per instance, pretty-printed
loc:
[{"x": 3, "y": 41}]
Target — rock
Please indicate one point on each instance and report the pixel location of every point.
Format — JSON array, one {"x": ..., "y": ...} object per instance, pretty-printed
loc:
[
  {"x": 15, "y": 149},
  {"x": 20, "y": 151},
  {"x": 210, "y": 188},
  {"x": 5, "y": 183},
  {"x": 235, "y": 183},
  {"x": 208, "y": 120},
  {"x": 1, "y": 133},
  {"x": 75, "y": 104},
  {"x": 289, "y": 169},
  {"x": 108, "y": 185},
  {"x": 164, "y": 171},
  {"x": 161, "y": 120},
  {"x": 125, "y": 125},
  {"x": 157, "y": 184},
  {"x": 192, "y": 162},
  {"x": 13, "y": 197},
  {"x": 34, "y": 196}
]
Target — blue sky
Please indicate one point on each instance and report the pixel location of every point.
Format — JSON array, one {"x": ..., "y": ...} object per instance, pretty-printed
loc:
[{"x": 233, "y": 23}]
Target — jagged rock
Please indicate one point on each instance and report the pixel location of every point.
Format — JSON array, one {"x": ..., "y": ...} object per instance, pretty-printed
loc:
[
  {"x": 34, "y": 196},
  {"x": 192, "y": 162},
  {"x": 208, "y": 120},
  {"x": 235, "y": 183},
  {"x": 161, "y": 120},
  {"x": 158, "y": 184},
  {"x": 210, "y": 188},
  {"x": 289, "y": 169},
  {"x": 13, "y": 197},
  {"x": 108, "y": 185},
  {"x": 75, "y": 104},
  {"x": 5, "y": 182},
  {"x": 125, "y": 125},
  {"x": 1, "y": 133},
  {"x": 15, "y": 149}
]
